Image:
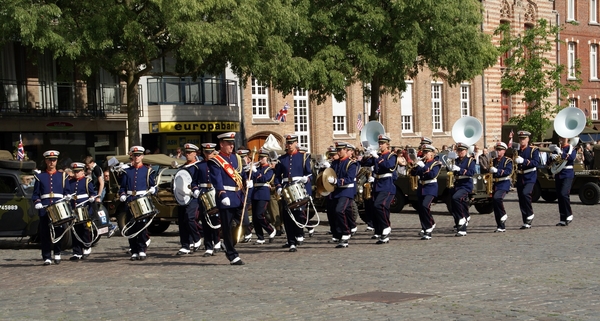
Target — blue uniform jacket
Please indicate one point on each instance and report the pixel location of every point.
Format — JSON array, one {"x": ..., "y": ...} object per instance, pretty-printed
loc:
[
  {"x": 464, "y": 177},
  {"x": 345, "y": 171},
  {"x": 426, "y": 173},
  {"x": 49, "y": 188},
  {"x": 201, "y": 178},
  {"x": 262, "y": 178},
  {"x": 138, "y": 180},
  {"x": 221, "y": 181},
  {"x": 291, "y": 168},
  {"x": 531, "y": 156},
  {"x": 83, "y": 189},
  {"x": 569, "y": 153},
  {"x": 192, "y": 168},
  {"x": 505, "y": 169},
  {"x": 384, "y": 171}
]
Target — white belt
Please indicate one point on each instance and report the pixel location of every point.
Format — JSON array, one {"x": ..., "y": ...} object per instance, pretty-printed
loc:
[
  {"x": 51, "y": 196},
  {"x": 463, "y": 177},
  {"x": 204, "y": 185},
  {"x": 384, "y": 175},
  {"x": 230, "y": 188},
  {"x": 568, "y": 167},
  {"x": 347, "y": 186},
  {"x": 526, "y": 171},
  {"x": 140, "y": 193},
  {"x": 429, "y": 181},
  {"x": 295, "y": 178},
  {"x": 262, "y": 184},
  {"x": 500, "y": 179}
]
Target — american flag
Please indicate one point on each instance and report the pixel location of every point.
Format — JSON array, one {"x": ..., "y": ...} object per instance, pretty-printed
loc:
[
  {"x": 20, "y": 149},
  {"x": 510, "y": 136},
  {"x": 359, "y": 122}
]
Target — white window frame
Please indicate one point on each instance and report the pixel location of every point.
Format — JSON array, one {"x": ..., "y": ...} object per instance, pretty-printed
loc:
[
  {"x": 437, "y": 107},
  {"x": 465, "y": 100},
  {"x": 593, "y": 11},
  {"x": 571, "y": 56},
  {"x": 573, "y": 102},
  {"x": 339, "y": 116},
  {"x": 302, "y": 117},
  {"x": 260, "y": 100},
  {"x": 571, "y": 6},
  {"x": 594, "y": 108},
  {"x": 594, "y": 61},
  {"x": 406, "y": 109}
]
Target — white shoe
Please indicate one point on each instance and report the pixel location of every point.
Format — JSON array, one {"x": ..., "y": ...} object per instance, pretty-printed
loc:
[
  {"x": 148, "y": 242},
  {"x": 345, "y": 237},
  {"x": 461, "y": 233},
  {"x": 503, "y": 218},
  {"x": 499, "y": 230},
  {"x": 272, "y": 235},
  {"x": 421, "y": 233},
  {"x": 387, "y": 231},
  {"x": 142, "y": 255},
  {"x": 217, "y": 247},
  {"x": 247, "y": 238},
  {"x": 57, "y": 259},
  {"x": 47, "y": 262},
  {"x": 134, "y": 256},
  {"x": 369, "y": 229},
  {"x": 87, "y": 252},
  {"x": 197, "y": 245},
  {"x": 183, "y": 251},
  {"x": 353, "y": 231},
  {"x": 300, "y": 238},
  {"x": 311, "y": 232},
  {"x": 259, "y": 242}
]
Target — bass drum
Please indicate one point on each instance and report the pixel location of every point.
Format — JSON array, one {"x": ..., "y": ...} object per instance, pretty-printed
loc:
[{"x": 182, "y": 186}]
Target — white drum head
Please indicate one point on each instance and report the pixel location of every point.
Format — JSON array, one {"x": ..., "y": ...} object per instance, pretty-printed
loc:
[{"x": 182, "y": 186}]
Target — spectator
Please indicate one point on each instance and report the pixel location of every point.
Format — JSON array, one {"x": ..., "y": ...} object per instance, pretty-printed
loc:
[
  {"x": 484, "y": 161},
  {"x": 588, "y": 156},
  {"x": 179, "y": 154}
]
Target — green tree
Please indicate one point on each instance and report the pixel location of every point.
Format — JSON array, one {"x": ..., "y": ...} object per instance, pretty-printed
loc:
[
  {"x": 328, "y": 45},
  {"x": 125, "y": 36},
  {"x": 530, "y": 72}
]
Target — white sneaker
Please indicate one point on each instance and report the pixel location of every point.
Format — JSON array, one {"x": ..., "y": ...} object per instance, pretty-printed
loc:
[
  {"x": 134, "y": 256},
  {"x": 87, "y": 252},
  {"x": 461, "y": 233},
  {"x": 47, "y": 262},
  {"x": 260, "y": 242},
  {"x": 272, "y": 235},
  {"x": 142, "y": 255},
  {"x": 183, "y": 251},
  {"x": 247, "y": 238},
  {"x": 498, "y": 230},
  {"x": 345, "y": 237},
  {"x": 353, "y": 231}
]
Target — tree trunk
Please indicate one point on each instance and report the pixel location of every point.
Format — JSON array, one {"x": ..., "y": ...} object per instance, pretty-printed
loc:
[
  {"x": 133, "y": 115},
  {"x": 375, "y": 86}
]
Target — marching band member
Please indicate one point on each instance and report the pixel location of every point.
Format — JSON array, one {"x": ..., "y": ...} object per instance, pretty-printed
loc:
[
  {"x": 292, "y": 167},
  {"x": 84, "y": 191},
  {"x": 332, "y": 156},
  {"x": 351, "y": 150},
  {"x": 384, "y": 189},
  {"x": 210, "y": 225},
  {"x": 244, "y": 154},
  {"x": 424, "y": 141},
  {"x": 345, "y": 170},
  {"x": 262, "y": 177},
  {"x": 464, "y": 169},
  {"x": 307, "y": 162},
  {"x": 527, "y": 162},
  {"x": 138, "y": 180},
  {"x": 227, "y": 177},
  {"x": 564, "y": 180},
  {"x": 190, "y": 235},
  {"x": 49, "y": 187},
  {"x": 274, "y": 212},
  {"x": 427, "y": 170},
  {"x": 501, "y": 169}
]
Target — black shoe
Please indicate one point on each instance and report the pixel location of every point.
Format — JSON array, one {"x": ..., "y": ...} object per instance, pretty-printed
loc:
[
  {"x": 525, "y": 227},
  {"x": 75, "y": 258},
  {"x": 561, "y": 223},
  {"x": 342, "y": 245},
  {"x": 238, "y": 262},
  {"x": 207, "y": 254}
]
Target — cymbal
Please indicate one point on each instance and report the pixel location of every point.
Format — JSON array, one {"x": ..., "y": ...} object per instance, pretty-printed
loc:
[{"x": 328, "y": 172}]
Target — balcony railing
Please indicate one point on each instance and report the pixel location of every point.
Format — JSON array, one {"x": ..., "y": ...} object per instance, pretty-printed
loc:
[
  {"x": 202, "y": 91},
  {"x": 62, "y": 99}
]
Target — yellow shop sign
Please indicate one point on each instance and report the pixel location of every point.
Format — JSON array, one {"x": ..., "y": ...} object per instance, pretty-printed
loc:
[{"x": 194, "y": 126}]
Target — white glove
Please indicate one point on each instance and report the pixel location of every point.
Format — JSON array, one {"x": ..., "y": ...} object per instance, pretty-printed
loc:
[
  {"x": 556, "y": 149},
  {"x": 455, "y": 168},
  {"x": 249, "y": 183},
  {"x": 519, "y": 160},
  {"x": 304, "y": 179},
  {"x": 68, "y": 197},
  {"x": 371, "y": 179},
  {"x": 123, "y": 198},
  {"x": 374, "y": 154},
  {"x": 226, "y": 201},
  {"x": 92, "y": 198},
  {"x": 279, "y": 191},
  {"x": 253, "y": 168},
  {"x": 326, "y": 165},
  {"x": 331, "y": 180},
  {"x": 196, "y": 193},
  {"x": 493, "y": 170},
  {"x": 420, "y": 164},
  {"x": 452, "y": 155},
  {"x": 152, "y": 190},
  {"x": 38, "y": 206}
]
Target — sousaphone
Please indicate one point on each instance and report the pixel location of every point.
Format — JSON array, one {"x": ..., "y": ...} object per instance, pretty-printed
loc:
[
  {"x": 182, "y": 186},
  {"x": 568, "y": 123}
]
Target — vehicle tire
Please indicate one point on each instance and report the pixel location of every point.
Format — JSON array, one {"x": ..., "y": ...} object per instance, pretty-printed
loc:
[
  {"x": 484, "y": 208},
  {"x": 158, "y": 227},
  {"x": 549, "y": 196},
  {"x": 536, "y": 193},
  {"x": 15, "y": 164},
  {"x": 66, "y": 242},
  {"x": 355, "y": 211},
  {"x": 121, "y": 220},
  {"x": 398, "y": 203},
  {"x": 589, "y": 193}
]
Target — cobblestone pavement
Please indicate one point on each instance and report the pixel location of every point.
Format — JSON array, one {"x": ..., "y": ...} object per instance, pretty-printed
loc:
[{"x": 545, "y": 273}]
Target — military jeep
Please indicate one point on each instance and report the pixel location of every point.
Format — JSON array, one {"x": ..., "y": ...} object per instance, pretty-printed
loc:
[
  {"x": 406, "y": 192},
  {"x": 163, "y": 200},
  {"x": 586, "y": 182}
]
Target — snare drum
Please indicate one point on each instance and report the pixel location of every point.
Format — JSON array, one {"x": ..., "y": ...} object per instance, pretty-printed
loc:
[
  {"x": 209, "y": 201},
  {"x": 295, "y": 195},
  {"x": 82, "y": 215},
  {"x": 60, "y": 212},
  {"x": 142, "y": 208}
]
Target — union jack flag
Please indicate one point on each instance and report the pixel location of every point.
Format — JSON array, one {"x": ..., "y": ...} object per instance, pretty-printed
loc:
[
  {"x": 282, "y": 115},
  {"x": 20, "y": 149},
  {"x": 359, "y": 122}
]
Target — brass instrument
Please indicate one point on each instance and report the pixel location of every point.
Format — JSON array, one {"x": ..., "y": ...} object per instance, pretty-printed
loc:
[
  {"x": 568, "y": 123},
  {"x": 413, "y": 179},
  {"x": 466, "y": 130}
]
